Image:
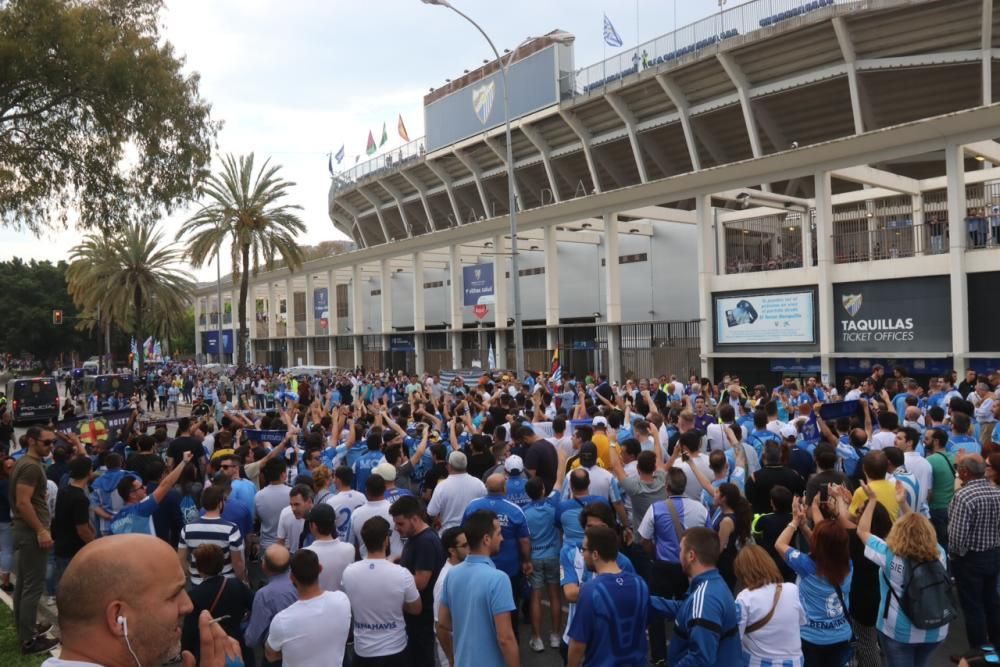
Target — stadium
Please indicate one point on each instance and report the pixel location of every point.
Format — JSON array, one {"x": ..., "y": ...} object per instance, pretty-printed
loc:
[{"x": 785, "y": 187}]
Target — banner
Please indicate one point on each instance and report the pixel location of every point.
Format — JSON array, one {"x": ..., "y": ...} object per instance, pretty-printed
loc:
[
  {"x": 477, "y": 284},
  {"x": 321, "y": 303},
  {"x": 211, "y": 340},
  {"x": 402, "y": 343},
  {"x": 761, "y": 318},
  {"x": 274, "y": 437},
  {"x": 902, "y": 315},
  {"x": 95, "y": 427}
]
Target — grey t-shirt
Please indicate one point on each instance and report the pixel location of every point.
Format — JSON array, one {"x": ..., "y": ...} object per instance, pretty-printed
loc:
[
  {"x": 644, "y": 494},
  {"x": 269, "y": 502}
]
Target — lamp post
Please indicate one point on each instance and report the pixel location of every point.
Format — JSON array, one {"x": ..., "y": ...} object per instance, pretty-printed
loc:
[{"x": 511, "y": 200}]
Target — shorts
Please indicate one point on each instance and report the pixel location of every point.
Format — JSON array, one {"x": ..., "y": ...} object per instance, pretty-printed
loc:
[{"x": 544, "y": 572}]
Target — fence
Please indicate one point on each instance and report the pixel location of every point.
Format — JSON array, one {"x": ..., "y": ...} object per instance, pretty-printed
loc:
[{"x": 764, "y": 243}]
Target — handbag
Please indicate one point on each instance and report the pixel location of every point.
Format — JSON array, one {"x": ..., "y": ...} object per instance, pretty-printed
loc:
[{"x": 758, "y": 624}]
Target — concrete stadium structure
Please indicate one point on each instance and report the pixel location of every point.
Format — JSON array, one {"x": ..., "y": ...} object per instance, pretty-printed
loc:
[{"x": 767, "y": 190}]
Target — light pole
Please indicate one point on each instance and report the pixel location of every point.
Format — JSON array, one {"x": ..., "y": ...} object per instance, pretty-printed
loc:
[{"x": 511, "y": 200}]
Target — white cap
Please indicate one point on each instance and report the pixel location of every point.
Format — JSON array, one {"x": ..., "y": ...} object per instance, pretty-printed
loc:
[
  {"x": 789, "y": 431},
  {"x": 600, "y": 421},
  {"x": 513, "y": 464},
  {"x": 386, "y": 471}
]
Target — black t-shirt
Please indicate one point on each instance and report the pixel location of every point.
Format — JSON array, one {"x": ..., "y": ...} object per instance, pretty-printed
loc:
[
  {"x": 437, "y": 472},
  {"x": 543, "y": 459},
  {"x": 424, "y": 552},
  {"x": 140, "y": 462},
  {"x": 770, "y": 527},
  {"x": 760, "y": 485},
  {"x": 72, "y": 510},
  {"x": 235, "y": 602},
  {"x": 56, "y": 471},
  {"x": 6, "y": 433},
  {"x": 479, "y": 463},
  {"x": 186, "y": 443}
]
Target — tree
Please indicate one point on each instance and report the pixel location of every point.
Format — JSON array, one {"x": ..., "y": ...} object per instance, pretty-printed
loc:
[
  {"x": 96, "y": 115},
  {"x": 243, "y": 209},
  {"x": 132, "y": 279}
]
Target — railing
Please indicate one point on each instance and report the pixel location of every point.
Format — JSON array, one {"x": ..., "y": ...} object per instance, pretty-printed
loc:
[
  {"x": 902, "y": 240},
  {"x": 740, "y": 20},
  {"x": 389, "y": 160},
  {"x": 766, "y": 243}
]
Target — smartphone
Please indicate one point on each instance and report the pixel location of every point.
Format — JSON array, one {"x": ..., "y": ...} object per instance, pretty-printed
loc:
[{"x": 743, "y": 313}]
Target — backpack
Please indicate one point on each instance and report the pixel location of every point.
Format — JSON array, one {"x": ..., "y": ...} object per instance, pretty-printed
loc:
[
  {"x": 189, "y": 510},
  {"x": 928, "y": 598}
]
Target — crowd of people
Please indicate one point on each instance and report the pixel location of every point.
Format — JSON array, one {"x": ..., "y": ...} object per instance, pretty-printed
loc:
[{"x": 371, "y": 518}]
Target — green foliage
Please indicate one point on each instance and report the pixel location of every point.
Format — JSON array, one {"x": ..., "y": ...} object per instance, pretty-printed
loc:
[
  {"x": 96, "y": 115},
  {"x": 28, "y": 295},
  {"x": 131, "y": 279},
  {"x": 182, "y": 343},
  {"x": 243, "y": 209}
]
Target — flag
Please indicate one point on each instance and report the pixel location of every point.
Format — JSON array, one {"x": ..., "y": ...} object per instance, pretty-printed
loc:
[
  {"x": 370, "y": 148},
  {"x": 340, "y": 154},
  {"x": 329, "y": 164},
  {"x": 385, "y": 136},
  {"x": 491, "y": 359},
  {"x": 611, "y": 36},
  {"x": 555, "y": 375},
  {"x": 402, "y": 129}
]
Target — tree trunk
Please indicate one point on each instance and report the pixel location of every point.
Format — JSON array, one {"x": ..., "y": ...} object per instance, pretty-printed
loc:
[
  {"x": 140, "y": 342},
  {"x": 241, "y": 335}
]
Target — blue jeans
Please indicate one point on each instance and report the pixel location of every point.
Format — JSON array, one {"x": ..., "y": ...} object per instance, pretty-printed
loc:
[
  {"x": 976, "y": 575},
  {"x": 826, "y": 655},
  {"x": 6, "y": 547},
  {"x": 60, "y": 567},
  {"x": 898, "y": 654},
  {"x": 939, "y": 519}
]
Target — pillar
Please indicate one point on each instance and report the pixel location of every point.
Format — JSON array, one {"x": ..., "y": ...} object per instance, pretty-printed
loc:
[
  {"x": 332, "y": 325},
  {"x": 824, "y": 263},
  {"x": 551, "y": 247},
  {"x": 197, "y": 328},
  {"x": 807, "y": 246},
  {"x": 419, "y": 313},
  {"x": 385, "y": 302},
  {"x": 455, "y": 303},
  {"x": 705, "y": 216},
  {"x": 613, "y": 297},
  {"x": 234, "y": 322},
  {"x": 958, "y": 238},
  {"x": 290, "y": 322},
  {"x": 357, "y": 319},
  {"x": 272, "y": 312},
  {"x": 500, "y": 309}
]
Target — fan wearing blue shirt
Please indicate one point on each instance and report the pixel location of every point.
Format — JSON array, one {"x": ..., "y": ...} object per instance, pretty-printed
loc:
[
  {"x": 364, "y": 464},
  {"x": 609, "y": 627},
  {"x": 960, "y": 442},
  {"x": 136, "y": 515},
  {"x": 568, "y": 511}
]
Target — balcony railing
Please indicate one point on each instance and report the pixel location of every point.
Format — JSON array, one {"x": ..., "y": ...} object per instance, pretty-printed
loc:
[{"x": 390, "y": 160}]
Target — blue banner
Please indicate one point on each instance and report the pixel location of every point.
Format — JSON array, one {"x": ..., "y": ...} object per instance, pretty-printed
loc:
[
  {"x": 477, "y": 284},
  {"x": 402, "y": 343},
  {"x": 211, "y": 340},
  {"x": 321, "y": 304},
  {"x": 274, "y": 437}
]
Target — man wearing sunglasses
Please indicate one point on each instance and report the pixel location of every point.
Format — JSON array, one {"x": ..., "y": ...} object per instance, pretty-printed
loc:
[{"x": 32, "y": 541}]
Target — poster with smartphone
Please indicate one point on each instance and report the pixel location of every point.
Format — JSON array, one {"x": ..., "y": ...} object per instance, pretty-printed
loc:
[{"x": 774, "y": 317}]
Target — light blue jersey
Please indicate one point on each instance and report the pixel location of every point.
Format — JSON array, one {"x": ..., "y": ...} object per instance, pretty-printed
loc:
[{"x": 826, "y": 621}]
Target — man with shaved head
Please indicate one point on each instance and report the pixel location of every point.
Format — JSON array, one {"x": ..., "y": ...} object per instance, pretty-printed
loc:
[
  {"x": 514, "y": 557},
  {"x": 974, "y": 547},
  {"x": 275, "y": 596},
  {"x": 122, "y": 603}
]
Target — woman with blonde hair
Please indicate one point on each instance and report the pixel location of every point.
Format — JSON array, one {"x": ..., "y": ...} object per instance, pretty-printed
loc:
[
  {"x": 321, "y": 480},
  {"x": 768, "y": 611},
  {"x": 910, "y": 543}
]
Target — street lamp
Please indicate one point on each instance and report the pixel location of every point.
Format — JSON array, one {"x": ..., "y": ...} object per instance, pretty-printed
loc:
[{"x": 560, "y": 38}]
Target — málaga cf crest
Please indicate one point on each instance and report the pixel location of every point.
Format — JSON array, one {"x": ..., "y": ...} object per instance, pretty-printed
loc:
[
  {"x": 852, "y": 303},
  {"x": 482, "y": 100}
]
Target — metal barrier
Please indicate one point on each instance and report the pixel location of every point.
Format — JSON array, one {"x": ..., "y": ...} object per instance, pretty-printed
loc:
[{"x": 765, "y": 243}]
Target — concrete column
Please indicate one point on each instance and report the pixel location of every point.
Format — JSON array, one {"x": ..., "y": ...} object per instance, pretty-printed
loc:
[
  {"x": 957, "y": 240},
  {"x": 807, "y": 246},
  {"x": 613, "y": 297},
  {"x": 706, "y": 268},
  {"x": 455, "y": 303},
  {"x": 720, "y": 243},
  {"x": 333, "y": 325},
  {"x": 310, "y": 320},
  {"x": 824, "y": 263},
  {"x": 357, "y": 316},
  {"x": 385, "y": 273},
  {"x": 920, "y": 239},
  {"x": 234, "y": 321},
  {"x": 198, "y": 310},
  {"x": 500, "y": 308},
  {"x": 289, "y": 309},
  {"x": 551, "y": 247},
  {"x": 272, "y": 311},
  {"x": 419, "y": 313}
]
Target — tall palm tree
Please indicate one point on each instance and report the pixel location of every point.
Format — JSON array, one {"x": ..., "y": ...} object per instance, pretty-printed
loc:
[
  {"x": 243, "y": 209},
  {"x": 132, "y": 279}
]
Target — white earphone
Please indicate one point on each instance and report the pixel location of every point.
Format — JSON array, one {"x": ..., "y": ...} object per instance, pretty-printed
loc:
[{"x": 122, "y": 621}]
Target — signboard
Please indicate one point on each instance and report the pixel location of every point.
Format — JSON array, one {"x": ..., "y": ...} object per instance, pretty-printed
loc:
[
  {"x": 477, "y": 284},
  {"x": 479, "y": 106},
  {"x": 480, "y": 311},
  {"x": 321, "y": 304},
  {"x": 759, "y": 318},
  {"x": 399, "y": 343},
  {"x": 984, "y": 316},
  {"x": 903, "y": 315},
  {"x": 211, "y": 341}
]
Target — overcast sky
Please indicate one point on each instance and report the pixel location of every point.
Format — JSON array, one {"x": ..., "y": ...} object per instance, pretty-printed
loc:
[{"x": 295, "y": 80}]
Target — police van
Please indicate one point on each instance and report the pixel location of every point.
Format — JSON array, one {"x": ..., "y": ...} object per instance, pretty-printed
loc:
[
  {"x": 33, "y": 399},
  {"x": 108, "y": 384}
]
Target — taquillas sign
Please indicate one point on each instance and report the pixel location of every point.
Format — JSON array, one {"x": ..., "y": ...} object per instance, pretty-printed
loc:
[{"x": 904, "y": 315}]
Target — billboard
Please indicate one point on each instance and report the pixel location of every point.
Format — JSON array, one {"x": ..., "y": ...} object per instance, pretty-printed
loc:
[
  {"x": 477, "y": 284},
  {"x": 984, "y": 317},
  {"x": 321, "y": 303},
  {"x": 901, "y": 315},
  {"x": 478, "y": 106},
  {"x": 211, "y": 341},
  {"x": 765, "y": 318}
]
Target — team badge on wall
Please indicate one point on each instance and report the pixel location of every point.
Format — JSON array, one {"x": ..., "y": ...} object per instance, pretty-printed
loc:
[
  {"x": 852, "y": 303},
  {"x": 482, "y": 100}
]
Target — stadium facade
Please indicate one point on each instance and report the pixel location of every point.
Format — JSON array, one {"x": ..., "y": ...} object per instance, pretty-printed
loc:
[{"x": 787, "y": 186}]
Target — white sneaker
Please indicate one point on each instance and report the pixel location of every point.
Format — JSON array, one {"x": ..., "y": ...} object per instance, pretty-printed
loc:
[
  {"x": 555, "y": 641},
  {"x": 536, "y": 644}
]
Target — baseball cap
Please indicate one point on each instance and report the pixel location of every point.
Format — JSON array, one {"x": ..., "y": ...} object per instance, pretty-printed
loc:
[
  {"x": 789, "y": 431},
  {"x": 588, "y": 454},
  {"x": 514, "y": 465},
  {"x": 458, "y": 461},
  {"x": 386, "y": 471},
  {"x": 600, "y": 421}
]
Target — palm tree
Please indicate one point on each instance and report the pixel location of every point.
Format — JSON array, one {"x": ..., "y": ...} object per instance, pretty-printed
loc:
[
  {"x": 130, "y": 278},
  {"x": 243, "y": 209}
]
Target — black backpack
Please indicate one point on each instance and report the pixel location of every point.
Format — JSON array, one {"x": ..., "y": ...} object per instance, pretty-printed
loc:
[{"x": 929, "y": 599}]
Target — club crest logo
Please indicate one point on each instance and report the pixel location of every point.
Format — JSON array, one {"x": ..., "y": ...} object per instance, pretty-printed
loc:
[
  {"x": 478, "y": 273},
  {"x": 852, "y": 303},
  {"x": 482, "y": 100}
]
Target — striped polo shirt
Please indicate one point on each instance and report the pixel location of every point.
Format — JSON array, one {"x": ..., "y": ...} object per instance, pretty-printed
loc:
[{"x": 224, "y": 534}]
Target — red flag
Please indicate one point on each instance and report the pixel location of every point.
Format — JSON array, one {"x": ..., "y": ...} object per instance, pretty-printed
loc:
[
  {"x": 370, "y": 148},
  {"x": 402, "y": 129}
]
